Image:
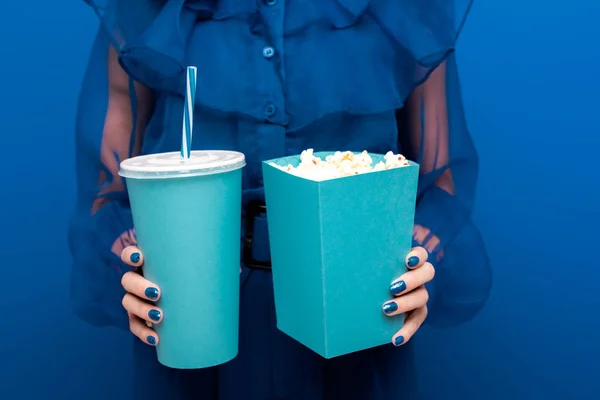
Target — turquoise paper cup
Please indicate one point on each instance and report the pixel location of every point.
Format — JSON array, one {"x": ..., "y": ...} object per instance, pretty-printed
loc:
[{"x": 187, "y": 219}]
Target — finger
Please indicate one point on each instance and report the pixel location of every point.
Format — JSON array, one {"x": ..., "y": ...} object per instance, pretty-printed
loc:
[
  {"x": 140, "y": 308},
  {"x": 136, "y": 284},
  {"x": 139, "y": 329},
  {"x": 412, "y": 279},
  {"x": 410, "y": 301},
  {"x": 131, "y": 255},
  {"x": 411, "y": 325},
  {"x": 416, "y": 257}
]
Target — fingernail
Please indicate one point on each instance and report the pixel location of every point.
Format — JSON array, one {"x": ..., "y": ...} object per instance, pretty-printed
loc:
[
  {"x": 151, "y": 340},
  {"x": 399, "y": 340},
  {"x": 151, "y": 293},
  {"x": 390, "y": 307},
  {"x": 412, "y": 261},
  {"x": 398, "y": 287},
  {"x": 135, "y": 257},
  {"x": 154, "y": 315}
]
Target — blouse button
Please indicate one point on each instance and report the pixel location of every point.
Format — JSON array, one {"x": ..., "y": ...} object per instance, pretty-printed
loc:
[
  {"x": 268, "y": 52},
  {"x": 270, "y": 110}
]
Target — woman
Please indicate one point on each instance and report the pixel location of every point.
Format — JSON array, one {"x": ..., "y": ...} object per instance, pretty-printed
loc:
[{"x": 276, "y": 77}]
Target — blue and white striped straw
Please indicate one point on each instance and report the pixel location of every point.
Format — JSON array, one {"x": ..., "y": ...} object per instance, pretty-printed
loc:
[{"x": 188, "y": 112}]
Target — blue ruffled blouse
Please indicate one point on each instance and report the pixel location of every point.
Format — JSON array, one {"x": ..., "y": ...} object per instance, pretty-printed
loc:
[{"x": 276, "y": 77}]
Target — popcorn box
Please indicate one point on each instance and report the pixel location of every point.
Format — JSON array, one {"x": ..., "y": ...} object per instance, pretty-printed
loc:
[{"x": 336, "y": 245}]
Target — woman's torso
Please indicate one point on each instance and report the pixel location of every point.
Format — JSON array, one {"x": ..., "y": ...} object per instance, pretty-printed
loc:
[{"x": 275, "y": 76}]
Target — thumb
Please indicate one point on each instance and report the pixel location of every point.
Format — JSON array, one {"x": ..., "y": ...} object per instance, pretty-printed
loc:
[{"x": 132, "y": 256}]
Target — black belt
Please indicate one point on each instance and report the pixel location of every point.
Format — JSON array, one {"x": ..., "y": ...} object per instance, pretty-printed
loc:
[{"x": 254, "y": 210}]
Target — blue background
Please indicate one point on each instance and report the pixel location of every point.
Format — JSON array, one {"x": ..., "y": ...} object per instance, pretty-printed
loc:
[{"x": 531, "y": 86}]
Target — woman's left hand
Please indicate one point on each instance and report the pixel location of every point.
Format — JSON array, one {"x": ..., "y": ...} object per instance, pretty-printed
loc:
[{"x": 411, "y": 296}]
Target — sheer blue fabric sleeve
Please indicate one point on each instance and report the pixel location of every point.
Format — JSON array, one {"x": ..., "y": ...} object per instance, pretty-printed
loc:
[
  {"x": 436, "y": 136},
  {"x": 111, "y": 115}
]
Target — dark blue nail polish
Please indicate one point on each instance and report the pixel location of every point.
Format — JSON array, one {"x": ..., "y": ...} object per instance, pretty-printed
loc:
[
  {"x": 399, "y": 340},
  {"x": 398, "y": 287},
  {"x": 390, "y": 307},
  {"x": 151, "y": 293},
  {"x": 154, "y": 315},
  {"x": 151, "y": 340},
  {"x": 135, "y": 257},
  {"x": 412, "y": 261}
]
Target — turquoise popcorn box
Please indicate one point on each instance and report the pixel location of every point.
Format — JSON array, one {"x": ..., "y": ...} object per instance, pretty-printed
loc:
[{"x": 336, "y": 245}]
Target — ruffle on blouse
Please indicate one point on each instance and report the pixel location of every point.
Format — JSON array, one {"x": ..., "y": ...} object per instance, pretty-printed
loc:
[
  {"x": 357, "y": 56},
  {"x": 424, "y": 30}
]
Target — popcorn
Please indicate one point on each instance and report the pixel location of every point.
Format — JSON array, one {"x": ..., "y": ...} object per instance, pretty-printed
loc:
[
  {"x": 394, "y": 160},
  {"x": 341, "y": 164}
]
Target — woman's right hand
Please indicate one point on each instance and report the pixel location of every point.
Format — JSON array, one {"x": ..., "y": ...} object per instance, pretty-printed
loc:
[{"x": 139, "y": 299}]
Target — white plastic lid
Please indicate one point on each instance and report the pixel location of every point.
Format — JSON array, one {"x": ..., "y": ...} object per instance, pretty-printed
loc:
[{"x": 171, "y": 165}]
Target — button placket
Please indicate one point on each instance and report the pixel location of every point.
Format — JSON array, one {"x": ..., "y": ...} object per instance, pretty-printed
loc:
[{"x": 274, "y": 107}]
